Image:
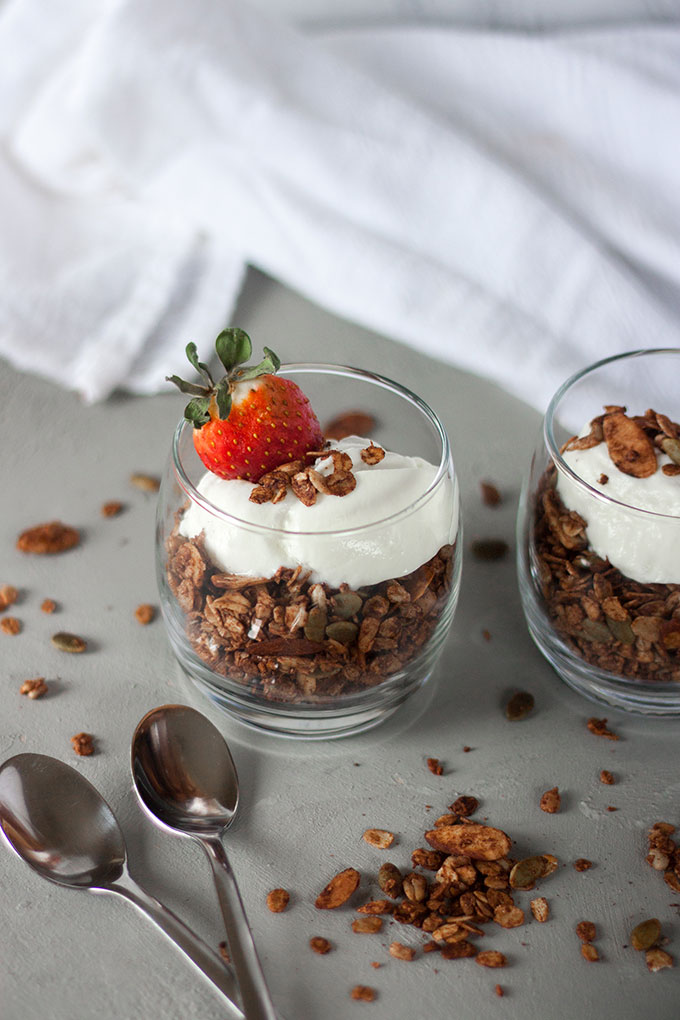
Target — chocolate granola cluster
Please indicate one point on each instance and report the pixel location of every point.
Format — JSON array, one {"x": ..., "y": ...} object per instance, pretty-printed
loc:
[{"x": 289, "y": 639}]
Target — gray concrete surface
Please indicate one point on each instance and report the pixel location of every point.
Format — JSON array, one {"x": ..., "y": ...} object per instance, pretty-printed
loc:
[{"x": 305, "y": 806}]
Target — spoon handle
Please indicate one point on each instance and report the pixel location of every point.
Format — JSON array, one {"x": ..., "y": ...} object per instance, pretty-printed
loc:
[
  {"x": 194, "y": 947},
  {"x": 257, "y": 1003}
]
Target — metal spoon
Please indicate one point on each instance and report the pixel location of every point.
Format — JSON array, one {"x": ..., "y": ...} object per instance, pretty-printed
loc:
[
  {"x": 61, "y": 826},
  {"x": 186, "y": 781}
]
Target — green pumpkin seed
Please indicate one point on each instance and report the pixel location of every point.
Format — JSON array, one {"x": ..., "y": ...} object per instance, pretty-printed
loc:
[
  {"x": 593, "y": 630},
  {"x": 315, "y": 628},
  {"x": 68, "y": 642},
  {"x": 671, "y": 447},
  {"x": 347, "y": 604},
  {"x": 645, "y": 934},
  {"x": 622, "y": 630},
  {"x": 342, "y": 631},
  {"x": 525, "y": 873}
]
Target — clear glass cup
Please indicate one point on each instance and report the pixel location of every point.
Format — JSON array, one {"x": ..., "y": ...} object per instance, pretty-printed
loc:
[
  {"x": 336, "y": 651},
  {"x": 599, "y": 577}
]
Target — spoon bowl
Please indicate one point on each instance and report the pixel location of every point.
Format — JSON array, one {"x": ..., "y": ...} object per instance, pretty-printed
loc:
[
  {"x": 183, "y": 771},
  {"x": 37, "y": 793}
]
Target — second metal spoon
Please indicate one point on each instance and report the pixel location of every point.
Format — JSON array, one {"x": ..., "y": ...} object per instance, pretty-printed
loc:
[{"x": 186, "y": 781}]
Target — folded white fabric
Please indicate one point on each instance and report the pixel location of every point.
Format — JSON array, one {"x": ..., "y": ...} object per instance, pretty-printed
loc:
[{"x": 505, "y": 202}]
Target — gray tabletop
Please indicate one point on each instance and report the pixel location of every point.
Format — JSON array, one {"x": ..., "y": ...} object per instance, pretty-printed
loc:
[{"x": 305, "y": 806}]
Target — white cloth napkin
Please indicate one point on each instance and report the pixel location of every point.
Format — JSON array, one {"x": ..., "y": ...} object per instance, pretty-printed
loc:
[{"x": 504, "y": 201}]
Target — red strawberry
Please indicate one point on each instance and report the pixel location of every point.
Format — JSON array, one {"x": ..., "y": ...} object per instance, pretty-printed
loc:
[{"x": 252, "y": 420}]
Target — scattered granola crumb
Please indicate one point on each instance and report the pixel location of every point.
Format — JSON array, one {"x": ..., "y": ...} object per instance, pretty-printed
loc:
[
  {"x": 34, "y": 688},
  {"x": 520, "y": 705},
  {"x": 338, "y": 890},
  {"x": 367, "y": 925},
  {"x": 486, "y": 634},
  {"x": 582, "y": 864},
  {"x": 363, "y": 993},
  {"x": 551, "y": 802},
  {"x": 145, "y": 613},
  {"x": 83, "y": 744},
  {"x": 435, "y": 766},
  {"x": 586, "y": 931},
  {"x": 320, "y": 945},
  {"x": 112, "y": 508},
  {"x": 48, "y": 605},
  {"x": 657, "y": 959},
  {"x": 224, "y": 952},
  {"x": 464, "y": 806},
  {"x": 607, "y": 777},
  {"x": 499, "y": 991},
  {"x": 466, "y": 749},
  {"x": 8, "y": 596},
  {"x": 599, "y": 728},
  {"x": 540, "y": 909},
  {"x": 401, "y": 952},
  {"x": 379, "y": 838},
  {"x": 489, "y": 549},
  {"x": 490, "y": 494},
  {"x": 147, "y": 483},
  {"x": 375, "y": 964},
  {"x": 603, "y": 479},
  {"x": 372, "y": 454},
  {"x": 612, "y": 808},
  {"x": 10, "y": 625},
  {"x": 277, "y": 900},
  {"x": 491, "y": 958},
  {"x": 589, "y": 952},
  {"x": 431, "y": 947},
  {"x": 48, "y": 539}
]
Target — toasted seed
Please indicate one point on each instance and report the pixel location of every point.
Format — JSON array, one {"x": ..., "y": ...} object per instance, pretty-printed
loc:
[
  {"x": 508, "y": 917},
  {"x": 589, "y": 952},
  {"x": 278, "y": 900},
  {"x": 645, "y": 934},
  {"x": 315, "y": 628},
  {"x": 519, "y": 706},
  {"x": 657, "y": 959},
  {"x": 376, "y": 907},
  {"x": 380, "y": 838},
  {"x": 320, "y": 945},
  {"x": 338, "y": 890},
  {"x": 147, "y": 483},
  {"x": 367, "y": 925},
  {"x": 540, "y": 909},
  {"x": 343, "y": 631},
  {"x": 68, "y": 642},
  {"x": 523, "y": 875},
  {"x": 390, "y": 880},
  {"x": 480, "y": 842},
  {"x": 401, "y": 952},
  {"x": 347, "y": 604},
  {"x": 491, "y": 958}
]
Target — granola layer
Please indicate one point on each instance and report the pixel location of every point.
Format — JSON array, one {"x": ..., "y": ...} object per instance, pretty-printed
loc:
[
  {"x": 289, "y": 640},
  {"x": 613, "y": 622}
]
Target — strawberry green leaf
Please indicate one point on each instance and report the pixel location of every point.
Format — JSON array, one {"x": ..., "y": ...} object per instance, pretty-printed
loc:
[
  {"x": 270, "y": 364},
  {"x": 197, "y": 411},
  {"x": 233, "y": 347},
  {"x": 201, "y": 368},
  {"x": 187, "y": 387},
  {"x": 223, "y": 399}
]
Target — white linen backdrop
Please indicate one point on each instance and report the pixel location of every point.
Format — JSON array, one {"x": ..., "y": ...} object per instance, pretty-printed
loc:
[{"x": 506, "y": 201}]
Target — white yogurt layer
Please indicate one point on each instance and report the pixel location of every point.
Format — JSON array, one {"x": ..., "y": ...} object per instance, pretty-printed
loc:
[
  {"x": 368, "y": 556},
  {"x": 644, "y": 547}
]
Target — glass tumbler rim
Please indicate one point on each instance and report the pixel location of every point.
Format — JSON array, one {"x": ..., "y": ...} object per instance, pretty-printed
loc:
[
  {"x": 555, "y": 451},
  {"x": 348, "y": 371}
]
